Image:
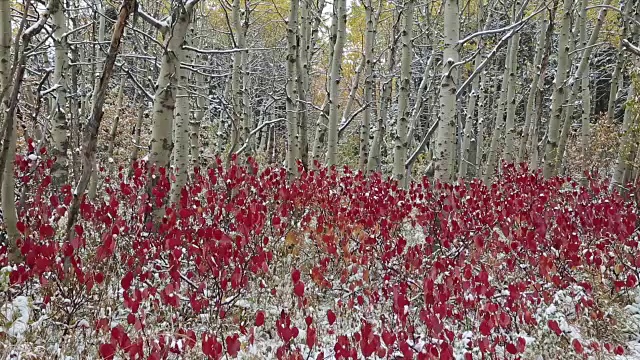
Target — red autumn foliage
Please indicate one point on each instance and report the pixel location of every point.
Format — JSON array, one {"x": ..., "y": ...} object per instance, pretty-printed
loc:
[{"x": 416, "y": 267}]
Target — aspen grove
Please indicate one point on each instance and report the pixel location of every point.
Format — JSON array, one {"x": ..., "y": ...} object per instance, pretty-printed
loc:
[{"x": 319, "y": 179}]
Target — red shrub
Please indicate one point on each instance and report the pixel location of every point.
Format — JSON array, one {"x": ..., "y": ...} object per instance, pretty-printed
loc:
[{"x": 418, "y": 272}]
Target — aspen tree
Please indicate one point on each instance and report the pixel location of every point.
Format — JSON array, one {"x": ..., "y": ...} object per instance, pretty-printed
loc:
[
  {"x": 334, "y": 82},
  {"x": 369, "y": 40},
  {"x": 574, "y": 83},
  {"x": 537, "y": 63},
  {"x": 404, "y": 113},
  {"x": 445, "y": 141},
  {"x": 291, "y": 90},
  {"x": 558, "y": 97},
  {"x": 59, "y": 126}
]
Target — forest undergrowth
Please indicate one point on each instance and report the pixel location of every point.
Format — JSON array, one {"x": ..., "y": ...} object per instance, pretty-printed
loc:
[{"x": 330, "y": 265}]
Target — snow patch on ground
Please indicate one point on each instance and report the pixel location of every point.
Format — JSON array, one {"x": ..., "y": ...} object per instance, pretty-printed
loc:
[{"x": 15, "y": 317}]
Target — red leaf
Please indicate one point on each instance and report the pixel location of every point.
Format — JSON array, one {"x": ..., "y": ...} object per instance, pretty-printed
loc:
[
  {"x": 46, "y": 231},
  {"x": 388, "y": 337},
  {"x": 259, "y": 318},
  {"x": 233, "y": 345},
  {"x": 298, "y": 289},
  {"x": 99, "y": 277},
  {"x": 553, "y": 325},
  {"x": 21, "y": 227},
  {"x": 511, "y": 349},
  {"x": 331, "y": 316},
  {"x": 577, "y": 346},
  {"x": 107, "y": 351},
  {"x": 295, "y": 275},
  {"x": 127, "y": 280},
  {"x": 311, "y": 337}
]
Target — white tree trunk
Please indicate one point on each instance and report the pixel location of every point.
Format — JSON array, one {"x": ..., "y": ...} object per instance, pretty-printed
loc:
[
  {"x": 181, "y": 129},
  {"x": 9, "y": 214},
  {"x": 291, "y": 91},
  {"x": 626, "y": 144},
  {"x": 374, "y": 162},
  {"x": 5, "y": 55},
  {"x": 240, "y": 131},
  {"x": 482, "y": 111},
  {"x": 465, "y": 149},
  {"x": 164, "y": 101},
  {"x": 617, "y": 72},
  {"x": 59, "y": 127},
  {"x": 334, "y": 82},
  {"x": 369, "y": 41},
  {"x": 445, "y": 141},
  {"x": 499, "y": 124},
  {"x": 558, "y": 97},
  {"x": 575, "y": 82},
  {"x": 404, "y": 112},
  {"x": 202, "y": 102},
  {"x": 322, "y": 123},
  {"x": 468, "y": 125},
  {"x": 302, "y": 82},
  {"x": 542, "y": 36},
  {"x": 510, "y": 125}
]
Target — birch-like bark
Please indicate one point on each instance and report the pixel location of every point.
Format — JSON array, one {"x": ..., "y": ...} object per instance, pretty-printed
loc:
[
  {"x": 375, "y": 162},
  {"x": 537, "y": 62},
  {"x": 237, "y": 81},
  {"x": 626, "y": 144},
  {"x": 334, "y": 82},
  {"x": 181, "y": 129},
  {"x": 9, "y": 213},
  {"x": 8, "y": 107},
  {"x": 510, "y": 125},
  {"x": 59, "y": 126},
  {"x": 617, "y": 71},
  {"x": 558, "y": 97},
  {"x": 574, "y": 83},
  {"x": 291, "y": 90},
  {"x": 246, "y": 104},
  {"x": 445, "y": 141},
  {"x": 315, "y": 27},
  {"x": 482, "y": 111},
  {"x": 624, "y": 168},
  {"x": 202, "y": 102},
  {"x": 164, "y": 101},
  {"x": 363, "y": 151},
  {"x": 468, "y": 125},
  {"x": 302, "y": 82},
  {"x": 74, "y": 117},
  {"x": 419, "y": 105},
  {"x": 5, "y": 55},
  {"x": 585, "y": 94},
  {"x": 499, "y": 123},
  {"x": 404, "y": 112},
  {"x": 465, "y": 149},
  {"x": 322, "y": 123}
]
